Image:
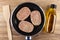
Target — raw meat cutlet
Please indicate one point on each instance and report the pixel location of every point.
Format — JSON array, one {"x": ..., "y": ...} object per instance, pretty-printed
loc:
[
  {"x": 26, "y": 26},
  {"x": 23, "y": 13},
  {"x": 36, "y": 17}
]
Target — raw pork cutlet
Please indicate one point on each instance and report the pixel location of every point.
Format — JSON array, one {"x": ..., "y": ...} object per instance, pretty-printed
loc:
[
  {"x": 26, "y": 26},
  {"x": 36, "y": 17},
  {"x": 23, "y": 13}
]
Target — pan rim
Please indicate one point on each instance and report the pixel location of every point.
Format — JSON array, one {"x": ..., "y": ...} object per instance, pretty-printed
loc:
[{"x": 15, "y": 9}]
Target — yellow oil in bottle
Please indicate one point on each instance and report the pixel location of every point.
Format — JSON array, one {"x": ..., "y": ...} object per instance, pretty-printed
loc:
[{"x": 50, "y": 19}]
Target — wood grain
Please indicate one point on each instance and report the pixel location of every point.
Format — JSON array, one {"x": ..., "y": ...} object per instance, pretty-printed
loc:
[{"x": 39, "y": 36}]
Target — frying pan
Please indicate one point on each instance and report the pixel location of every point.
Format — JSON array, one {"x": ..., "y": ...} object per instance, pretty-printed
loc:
[{"x": 14, "y": 21}]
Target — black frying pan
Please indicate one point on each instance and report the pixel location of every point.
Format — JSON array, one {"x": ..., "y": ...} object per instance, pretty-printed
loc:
[{"x": 32, "y": 7}]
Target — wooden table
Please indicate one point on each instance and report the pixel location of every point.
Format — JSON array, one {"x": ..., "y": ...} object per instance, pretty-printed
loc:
[{"x": 40, "y": 36}]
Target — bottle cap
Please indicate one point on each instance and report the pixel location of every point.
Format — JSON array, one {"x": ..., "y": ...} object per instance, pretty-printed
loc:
[{"x": 53, "y": 6}]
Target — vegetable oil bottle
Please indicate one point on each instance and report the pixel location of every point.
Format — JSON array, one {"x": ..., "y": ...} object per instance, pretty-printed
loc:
[{"x": 50, "y": 19}]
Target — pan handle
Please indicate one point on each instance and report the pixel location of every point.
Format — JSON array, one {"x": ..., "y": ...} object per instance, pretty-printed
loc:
[{"x": 28, "y": 38}]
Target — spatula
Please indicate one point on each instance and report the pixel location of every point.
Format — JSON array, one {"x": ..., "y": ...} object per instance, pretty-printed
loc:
[{"x": 6, "y": 14}]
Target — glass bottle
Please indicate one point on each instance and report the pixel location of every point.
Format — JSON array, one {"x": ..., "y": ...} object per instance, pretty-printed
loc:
[{"x": 50, "y": 19}]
